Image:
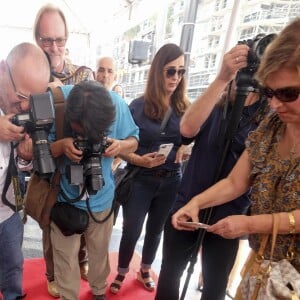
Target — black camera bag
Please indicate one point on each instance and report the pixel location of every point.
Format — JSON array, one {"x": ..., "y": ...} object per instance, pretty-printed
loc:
[{"x": 69, "y": 218}]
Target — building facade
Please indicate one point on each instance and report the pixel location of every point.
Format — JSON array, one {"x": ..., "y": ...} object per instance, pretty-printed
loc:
[{"x": 219, "y": 25}]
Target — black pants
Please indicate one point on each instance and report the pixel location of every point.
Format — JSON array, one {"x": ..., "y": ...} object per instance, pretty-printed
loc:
[{"x": 218, "y": 256}]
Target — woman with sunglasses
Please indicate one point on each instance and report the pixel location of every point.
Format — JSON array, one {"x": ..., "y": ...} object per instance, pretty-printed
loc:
[
  {"x": 156, "y": 184},
  {"x": 270, "y": 164}
]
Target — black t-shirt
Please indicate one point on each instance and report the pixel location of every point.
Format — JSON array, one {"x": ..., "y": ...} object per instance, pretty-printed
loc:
[{"x": 206, "y": 157}]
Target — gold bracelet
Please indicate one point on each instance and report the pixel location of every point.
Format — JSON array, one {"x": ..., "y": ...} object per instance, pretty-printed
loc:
[{"x": 292, "y": 222}]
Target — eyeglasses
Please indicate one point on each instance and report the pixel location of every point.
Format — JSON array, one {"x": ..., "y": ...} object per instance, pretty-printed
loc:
[
  {"x": 172, "y": 71},
  {"x": 21, "y": 96},
  {"x": 287, "y": 94},
  {"x": 48, "y": 42}
]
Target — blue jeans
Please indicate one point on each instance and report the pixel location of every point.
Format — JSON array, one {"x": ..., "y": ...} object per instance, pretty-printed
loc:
[
  {"x": 11, "y": 257},
  {"x": 153, "y": 196}
]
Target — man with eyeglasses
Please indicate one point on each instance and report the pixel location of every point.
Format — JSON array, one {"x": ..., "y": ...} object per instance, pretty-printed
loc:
[
  {"x": 51, "y": 34},
  {"x": 24, "y": 72}
]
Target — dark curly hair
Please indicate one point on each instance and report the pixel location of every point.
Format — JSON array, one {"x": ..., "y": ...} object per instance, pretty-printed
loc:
[{"x": 90, "y": 105}]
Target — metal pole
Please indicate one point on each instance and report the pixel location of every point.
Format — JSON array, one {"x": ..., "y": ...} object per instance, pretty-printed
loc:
[{"x": 189, "y": 20}]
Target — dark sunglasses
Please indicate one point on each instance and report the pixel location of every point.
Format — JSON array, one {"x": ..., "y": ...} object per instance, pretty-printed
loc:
[
  {"x": 287, "y": 94},
  {"x": 172, "y": 71}
]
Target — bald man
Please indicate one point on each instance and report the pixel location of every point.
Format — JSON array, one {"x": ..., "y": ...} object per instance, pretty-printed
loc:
[
  {"x": 24, "y": 72},
  {"x": 106, "y": 71}
]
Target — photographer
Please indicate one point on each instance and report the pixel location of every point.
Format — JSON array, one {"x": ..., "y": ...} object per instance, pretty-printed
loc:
[
  {"x": 24, "y": 72},
  {"x": 203, "y": 123},
  {"x": 91, "y": 113}
]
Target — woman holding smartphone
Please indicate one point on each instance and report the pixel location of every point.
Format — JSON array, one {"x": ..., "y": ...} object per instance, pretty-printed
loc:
[{"x": 157, "y": 182}]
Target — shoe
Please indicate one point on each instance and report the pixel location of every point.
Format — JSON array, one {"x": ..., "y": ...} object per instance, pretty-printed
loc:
[
  {"x": 116, "y": 285},
  {"x": 146, "y": 279},
  {"x": 99, "y": 297},
  {"x": 52, "y": 289},
  {"x": 84, "y": 269}
]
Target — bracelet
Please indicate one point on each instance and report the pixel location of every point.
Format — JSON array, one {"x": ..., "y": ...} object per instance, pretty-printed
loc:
[{"x": 292, "y": 222}]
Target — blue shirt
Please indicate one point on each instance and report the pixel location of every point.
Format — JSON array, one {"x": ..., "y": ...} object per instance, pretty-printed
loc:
[
  {"x": 203, "y": 165},
  {"x": 150, "y": 137},
  {"x": 122, "y": 128}
]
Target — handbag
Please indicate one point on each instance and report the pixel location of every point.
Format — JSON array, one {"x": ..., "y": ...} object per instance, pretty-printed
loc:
[
  {"x": 69, "y": 218},
  {"x": 267, "y": 279},
  {"x": 123, "y": 181},
  {"x": 41, "y": 195},
  {"x": 124, "y": 177}
]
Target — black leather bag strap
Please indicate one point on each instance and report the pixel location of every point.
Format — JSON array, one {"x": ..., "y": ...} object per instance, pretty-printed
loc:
[
  {"x": 165, "y": 120},
  {"x": 12, "y": 177}
]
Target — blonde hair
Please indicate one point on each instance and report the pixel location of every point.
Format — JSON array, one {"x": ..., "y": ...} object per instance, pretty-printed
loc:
[{"x": 283, "y": 52}]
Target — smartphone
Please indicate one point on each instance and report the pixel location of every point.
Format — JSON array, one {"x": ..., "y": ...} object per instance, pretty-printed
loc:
[
  {"x": 165, "y": 149},
  {"x": 195, "y": 225}
]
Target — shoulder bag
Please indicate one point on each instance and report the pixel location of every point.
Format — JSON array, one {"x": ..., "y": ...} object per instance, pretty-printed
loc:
[
  {"x": 124, "y": 178},
  {"x": 267, "y": 279},
  {"x": 41, "y": 194}
]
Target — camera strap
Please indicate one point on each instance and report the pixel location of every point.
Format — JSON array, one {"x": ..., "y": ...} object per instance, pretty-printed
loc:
[{"x": 12, "y": 177}]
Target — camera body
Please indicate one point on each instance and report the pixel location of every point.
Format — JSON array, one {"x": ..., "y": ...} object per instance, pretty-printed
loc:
[
  {"x": 245, "y": 81},
  {"x": 257, "y": 47},
  {"x": 89, "y": 170},
  {"x": 37, "y": 123}
]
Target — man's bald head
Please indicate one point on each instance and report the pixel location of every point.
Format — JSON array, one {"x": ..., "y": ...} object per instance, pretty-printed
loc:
[
  {"x": 27, "y": 58},
  {"x": 25, "y": 71}
]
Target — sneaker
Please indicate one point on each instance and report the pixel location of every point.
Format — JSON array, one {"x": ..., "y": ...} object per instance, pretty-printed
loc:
[
  {"x": 84, "y": 269},
  {"x": 52, "y": 289}
]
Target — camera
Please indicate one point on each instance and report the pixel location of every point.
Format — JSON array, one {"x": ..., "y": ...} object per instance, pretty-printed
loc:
[
  {"x": 89, "y": 170},
  {"x": 258, "y": 45},
  {"x": 37, "y": 123}
]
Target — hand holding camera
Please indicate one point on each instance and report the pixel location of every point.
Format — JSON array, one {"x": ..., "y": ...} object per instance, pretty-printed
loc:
[
  {"x": 233, "y": 61},
  {"x": 24, "y": 149},
  {"x": 10, "y": 132}
]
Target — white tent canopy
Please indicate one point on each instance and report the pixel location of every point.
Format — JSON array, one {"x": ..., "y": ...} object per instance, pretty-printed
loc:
[{"x": 85, "y": 21}]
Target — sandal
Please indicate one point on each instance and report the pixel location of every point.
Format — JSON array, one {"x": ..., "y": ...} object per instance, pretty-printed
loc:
[
  {"x": 146, "y": 279},
  {"x": 116, "y": 285}
]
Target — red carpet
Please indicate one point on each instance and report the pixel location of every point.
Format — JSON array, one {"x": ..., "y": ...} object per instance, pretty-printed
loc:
[{"x": 36, "y": 289}]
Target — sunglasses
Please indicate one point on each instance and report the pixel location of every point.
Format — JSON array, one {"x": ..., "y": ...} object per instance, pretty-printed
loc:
[
  {"x": 287, "y": 94},
  {"x": 172, "y": 71}
]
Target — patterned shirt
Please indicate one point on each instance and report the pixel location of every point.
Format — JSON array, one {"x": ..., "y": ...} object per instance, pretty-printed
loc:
[
  {"x": 73, "y": 74},
  {"x": 275, "y": 183}
]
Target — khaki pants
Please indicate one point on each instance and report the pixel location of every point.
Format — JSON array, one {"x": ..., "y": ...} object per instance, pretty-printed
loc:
[
  {"x": 65, "y": 253},
  {"x": 48, "y": 253}
]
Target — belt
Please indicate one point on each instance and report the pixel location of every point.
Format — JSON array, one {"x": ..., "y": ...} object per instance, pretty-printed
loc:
[{"x": 164, "y": 173}]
